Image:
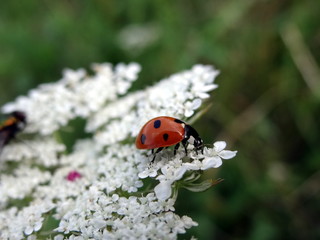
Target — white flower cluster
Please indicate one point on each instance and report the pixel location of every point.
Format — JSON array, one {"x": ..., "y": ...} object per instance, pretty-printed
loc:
[
  {"x": 98, "y": 191},
  {"x": 52, "y": 105},
  {"x": 13, "y": 185},
  {"x": 41, "y": 150},
  {"x": 173, "y": 168},
  {"x": 177, "y": 96},
  {"x": 114, "y": 217},
  {"x": 17, "y": 223}
]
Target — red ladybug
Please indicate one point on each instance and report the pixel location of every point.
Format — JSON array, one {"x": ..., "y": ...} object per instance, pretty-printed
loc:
[
  {"x": 164, "y": 131},
  {"x": 11, "y": 127}
]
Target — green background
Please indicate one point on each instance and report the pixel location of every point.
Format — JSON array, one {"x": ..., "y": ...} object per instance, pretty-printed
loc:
[{"x": 266, "y": 106}]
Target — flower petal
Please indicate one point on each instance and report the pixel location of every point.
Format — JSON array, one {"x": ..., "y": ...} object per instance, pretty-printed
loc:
[
  {"x": 212, "y": 162},
  {"x": 28, "y": 230},
  {"x": 178, "y": 174},
  {"x": 219, "y": 146},
  {"x": 188, "y": 113},
  {"x": 38, "y": 225},
  {"x": 226, "y": 154},
  {"x": 194, "y": 165},
  {"x": 143, "y": 174},
  {"x": 163, "y": 190},
  {"x": 210, "y": 87},
  {"x": 196, "y": 103}
]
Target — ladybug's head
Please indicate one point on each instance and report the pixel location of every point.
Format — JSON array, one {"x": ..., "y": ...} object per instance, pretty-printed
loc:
[
  {"x": 198, "y": 144},
  {"x": 192, "y": 134}
]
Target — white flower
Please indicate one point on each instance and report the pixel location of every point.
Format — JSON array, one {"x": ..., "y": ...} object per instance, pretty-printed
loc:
[
  {"x": 35, "y": 225},
  {"x": 148, "y": 172},
  {"x": 219, "y": 149},
  {"x": 127, "y": 72},
  {"x": 175, "y": 169},
  {"x": 97, "y": 190},
  {"x": 54, "y": 104},
  {"x": 191, "y": 106},
  {"x": 73, "y": 77},
  {"x": 163, "y": 190},
  {"x": 43, "y": 150},
  {"x": 20, "y": 183},
  {"x": 213, "y": 156},
  {"x": 58, "y": 237}
]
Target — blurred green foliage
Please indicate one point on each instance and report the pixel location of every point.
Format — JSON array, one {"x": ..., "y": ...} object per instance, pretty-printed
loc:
[{"x": 266, "y": 107}]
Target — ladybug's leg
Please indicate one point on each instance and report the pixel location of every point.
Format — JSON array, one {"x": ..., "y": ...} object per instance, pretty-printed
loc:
[
  {"x": 185, "y": 143},
  {"x": 176, "y": 148},
  {"x": 158, "y": 150}
]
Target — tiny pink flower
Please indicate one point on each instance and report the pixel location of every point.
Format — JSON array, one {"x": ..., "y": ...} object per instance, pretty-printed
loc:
[{"x": 73, "y": 175}]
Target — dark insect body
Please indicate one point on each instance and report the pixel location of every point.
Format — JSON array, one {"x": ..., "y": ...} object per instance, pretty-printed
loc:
[
  {"x": 161, "y": 132},
  {"x": 10, "y": 127}
]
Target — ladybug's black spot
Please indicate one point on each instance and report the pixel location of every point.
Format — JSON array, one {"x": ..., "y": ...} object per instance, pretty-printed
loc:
[
  {"x": 165, "y": 136},
  {"x": 178, "y": 121},
  {"x": 143, "y": 138},
  {"x": 157, "y": 123}
]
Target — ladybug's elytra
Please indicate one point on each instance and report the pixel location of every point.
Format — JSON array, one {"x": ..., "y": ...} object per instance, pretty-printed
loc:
[
  {"x": 14, "y": 124},
  {"x": 165, "y": 131}
]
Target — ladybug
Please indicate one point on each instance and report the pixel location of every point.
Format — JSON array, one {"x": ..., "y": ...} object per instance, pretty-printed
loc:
[
  {"x": 161, "y": 132},
  {"x": 10, "y": 127}
]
